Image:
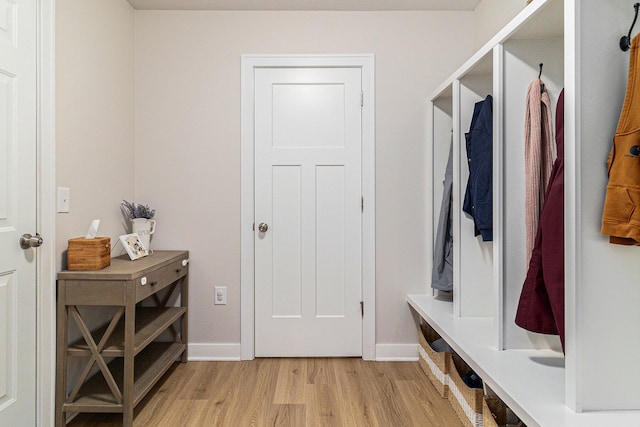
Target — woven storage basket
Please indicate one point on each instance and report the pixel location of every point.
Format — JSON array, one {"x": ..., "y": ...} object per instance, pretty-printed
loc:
[
  {"x": 89, "y": 254},
  {"x": 466, "y": 401},
  {"x": 494, "y": 413},
  {"x": 434, "y": 364}
]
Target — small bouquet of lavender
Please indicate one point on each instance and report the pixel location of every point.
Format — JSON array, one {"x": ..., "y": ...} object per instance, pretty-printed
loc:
[{"x": 133, "y": 210}]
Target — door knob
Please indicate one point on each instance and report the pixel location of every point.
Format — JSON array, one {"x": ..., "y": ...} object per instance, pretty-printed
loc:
[
  {"x": 262, "y": 227},
  {"x": 28, "y": 241}
]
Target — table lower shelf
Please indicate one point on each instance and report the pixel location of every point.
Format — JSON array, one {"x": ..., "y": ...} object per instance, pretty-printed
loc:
[
  {"x": 150, "y": 323},
  {"x": 149, "y": 366}
]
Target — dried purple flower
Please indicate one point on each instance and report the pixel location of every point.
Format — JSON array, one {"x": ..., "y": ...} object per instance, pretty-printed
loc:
[{"x": 132, "y": 210}]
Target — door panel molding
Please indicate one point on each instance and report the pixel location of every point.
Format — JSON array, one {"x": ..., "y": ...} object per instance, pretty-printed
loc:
[{"x": 249, "y": 63}]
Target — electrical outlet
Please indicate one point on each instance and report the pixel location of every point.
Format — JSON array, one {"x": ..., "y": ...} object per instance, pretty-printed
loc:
[{"x": 220, "y": 295}]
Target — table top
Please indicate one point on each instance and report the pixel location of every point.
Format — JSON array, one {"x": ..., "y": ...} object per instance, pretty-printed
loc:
[{"x": 122, "y": 268}]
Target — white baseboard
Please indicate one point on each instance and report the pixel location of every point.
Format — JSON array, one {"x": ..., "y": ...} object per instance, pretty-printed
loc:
[
  {"x": 231, "y": 352},
  {"x": 211, "y": 352},
  {"x": 397, "y": 352}
]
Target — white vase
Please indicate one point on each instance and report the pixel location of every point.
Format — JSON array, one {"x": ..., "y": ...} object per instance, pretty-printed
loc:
[{"x": 144, "y": 228}]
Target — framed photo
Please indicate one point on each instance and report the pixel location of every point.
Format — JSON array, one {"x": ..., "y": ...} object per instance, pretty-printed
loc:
[{"x": 133, "y": 246}]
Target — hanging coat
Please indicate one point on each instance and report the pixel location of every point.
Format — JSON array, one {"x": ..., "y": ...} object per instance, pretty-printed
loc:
[
  {"x": 478, "y": 198},
  {"x": 538, "y": 156},
  {"x": 621, "y": 215},
  {"x": 541, "y": 306},
  {"x": 442, "y": 271}
]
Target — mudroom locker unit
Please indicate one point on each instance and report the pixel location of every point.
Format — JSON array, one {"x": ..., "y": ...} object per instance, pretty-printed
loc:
[{"x": 592, "y": 383}]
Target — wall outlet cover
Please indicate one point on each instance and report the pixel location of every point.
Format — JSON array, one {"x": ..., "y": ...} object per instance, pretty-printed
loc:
[{"x": 220, "y": 295}]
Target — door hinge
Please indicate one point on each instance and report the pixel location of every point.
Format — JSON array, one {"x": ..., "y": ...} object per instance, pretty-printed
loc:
[
  {"x": 361, "y": 99},
  {"x": 362, "y": 308},
  {"x": 362, "y": 204}
]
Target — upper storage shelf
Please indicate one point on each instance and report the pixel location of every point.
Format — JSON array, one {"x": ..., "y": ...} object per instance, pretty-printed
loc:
[{"x": 542, "y": 19}]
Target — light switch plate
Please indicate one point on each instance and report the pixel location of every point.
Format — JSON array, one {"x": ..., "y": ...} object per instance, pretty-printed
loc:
[{"x": 64, "y": 200}]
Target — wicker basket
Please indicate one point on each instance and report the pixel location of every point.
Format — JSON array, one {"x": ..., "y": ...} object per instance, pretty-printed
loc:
[
  {"x": 494, "y": 413},
  {"x": 466, "y": 401},
  {"x": 434, "y": 364},
  {"x": 89, "y": 254}
]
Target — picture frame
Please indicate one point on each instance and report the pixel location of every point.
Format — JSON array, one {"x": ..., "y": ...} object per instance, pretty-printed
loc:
[{"x": 134, "y": 247}]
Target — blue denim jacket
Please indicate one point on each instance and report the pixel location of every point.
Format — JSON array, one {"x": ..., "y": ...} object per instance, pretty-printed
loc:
[{"x": 478, "y": 199}]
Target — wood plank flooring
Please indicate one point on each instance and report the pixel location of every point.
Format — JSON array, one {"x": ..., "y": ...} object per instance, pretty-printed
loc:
[{"x": 289, "y": 392}]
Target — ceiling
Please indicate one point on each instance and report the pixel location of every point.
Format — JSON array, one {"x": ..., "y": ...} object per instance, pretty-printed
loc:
[{"x": 304, "y": 4}]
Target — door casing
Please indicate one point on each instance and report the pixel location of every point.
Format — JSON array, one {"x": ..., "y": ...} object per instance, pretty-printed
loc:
[
  {"x": 249, "y": 63},
  {"x": 45, "y": 215}
]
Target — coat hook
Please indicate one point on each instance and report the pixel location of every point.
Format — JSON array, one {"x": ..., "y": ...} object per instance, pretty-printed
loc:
[
  {"x": 540, "y": 73},
  {"x": 625, "y": 41}
]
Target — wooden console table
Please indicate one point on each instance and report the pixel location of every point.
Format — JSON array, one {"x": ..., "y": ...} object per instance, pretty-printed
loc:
[{"x": 130, "y": 337}]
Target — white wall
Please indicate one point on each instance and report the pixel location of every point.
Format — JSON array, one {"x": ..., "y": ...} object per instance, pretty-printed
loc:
[
  {"x": 490, "y": 16},
  {"x": 188, "y": 139},
  {"x": 94, "y": 115}
]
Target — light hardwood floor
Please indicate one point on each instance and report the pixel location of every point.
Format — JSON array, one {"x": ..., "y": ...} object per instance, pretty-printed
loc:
[{"x": 289, "y": 392}]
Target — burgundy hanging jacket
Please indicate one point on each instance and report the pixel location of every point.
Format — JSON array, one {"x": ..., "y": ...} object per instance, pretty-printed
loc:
[{"x": 541, "y": 307}]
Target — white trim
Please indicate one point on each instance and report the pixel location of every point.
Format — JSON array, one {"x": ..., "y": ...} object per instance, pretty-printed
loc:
[
  {"x": 248, "y": 64},
  {"x": 572, "y": 202},
  {"x": 46, "y": 221},
  {"x": 499, "y": 185},
  {"x": 457, "y": 194},
  {"x": 214, "y": 352},
  {"x": 397, "y": 352},
  {"x": 369, "y": 214},
  {"x": 246, "y": 213},
  {"x": 503, "y": 35}
]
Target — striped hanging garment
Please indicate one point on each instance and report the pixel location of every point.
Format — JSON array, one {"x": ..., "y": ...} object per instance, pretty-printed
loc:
[{"x": 538, "y": 157}]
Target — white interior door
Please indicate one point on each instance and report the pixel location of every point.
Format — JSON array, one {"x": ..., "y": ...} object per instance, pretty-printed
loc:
[
  {"x": 308, "y": 263},
  {"x": 17, "y": 212}
]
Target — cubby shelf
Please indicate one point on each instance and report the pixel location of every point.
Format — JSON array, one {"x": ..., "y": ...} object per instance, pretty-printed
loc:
[
  {"x": 589, "y": 384},
  {"x": 531, "y": 382}
]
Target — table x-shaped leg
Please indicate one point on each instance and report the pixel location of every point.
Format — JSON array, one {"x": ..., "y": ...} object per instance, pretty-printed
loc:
[
  {"x": 95, "y": 352},
  {"x": 163, "y": 303}
]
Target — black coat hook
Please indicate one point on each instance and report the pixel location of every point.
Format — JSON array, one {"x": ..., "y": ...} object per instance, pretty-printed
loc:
[
  {"x": 540, "y": 73},
  {"x": 625, "y": 41}
]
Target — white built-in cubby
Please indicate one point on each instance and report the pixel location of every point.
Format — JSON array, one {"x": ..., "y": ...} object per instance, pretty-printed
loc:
[
  {"x": 472, "y": 285},
  {"x": 593, "y": 382}
]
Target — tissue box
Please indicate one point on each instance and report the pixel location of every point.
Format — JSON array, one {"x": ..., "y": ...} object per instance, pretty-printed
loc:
[{"x": 89, "y": 254}]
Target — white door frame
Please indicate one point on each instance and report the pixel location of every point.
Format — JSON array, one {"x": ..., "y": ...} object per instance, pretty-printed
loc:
[
  {"x": 247, "y": 284},
  {"x": 46, "y": 217}
]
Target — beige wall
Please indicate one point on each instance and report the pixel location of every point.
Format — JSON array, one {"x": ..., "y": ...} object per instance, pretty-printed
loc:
[
  {"x": 188, "y": 139},
  {"x": 184, "y": 132},
  {"x": 491, "y": 15},
  {"x": 94, "y": 115}
]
